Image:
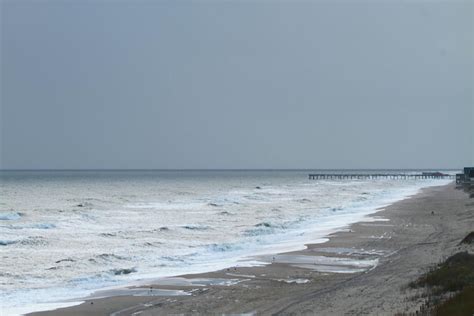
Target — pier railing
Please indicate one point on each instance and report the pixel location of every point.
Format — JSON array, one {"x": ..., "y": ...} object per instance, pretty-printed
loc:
[{"x": 328, "y": 176}]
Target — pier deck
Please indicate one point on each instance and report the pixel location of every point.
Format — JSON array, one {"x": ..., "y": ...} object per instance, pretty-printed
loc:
[{"x": 319, "y": 176}]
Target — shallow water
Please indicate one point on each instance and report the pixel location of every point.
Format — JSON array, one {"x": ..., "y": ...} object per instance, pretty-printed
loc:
[{"x": 65, "y": 234}]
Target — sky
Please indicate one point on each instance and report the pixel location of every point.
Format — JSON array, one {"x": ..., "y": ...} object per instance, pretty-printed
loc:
[{"x": 236, "y": 84}]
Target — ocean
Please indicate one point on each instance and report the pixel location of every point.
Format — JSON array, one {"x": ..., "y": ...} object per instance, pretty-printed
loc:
[{"x": 65, "y": 234}]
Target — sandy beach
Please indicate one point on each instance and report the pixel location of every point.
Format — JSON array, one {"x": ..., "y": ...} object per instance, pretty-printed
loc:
[
  {"x": 364, "y": 269},
  {"x": 249, "y": 157}
]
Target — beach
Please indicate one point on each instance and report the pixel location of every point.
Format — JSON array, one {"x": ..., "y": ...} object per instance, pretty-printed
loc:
[
  {"x": 364, "y": 269},
  {"x": 237, "y": 158}
]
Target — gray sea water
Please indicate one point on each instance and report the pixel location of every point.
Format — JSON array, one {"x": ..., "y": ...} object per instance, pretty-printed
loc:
[{"x": 64, "y": 234}]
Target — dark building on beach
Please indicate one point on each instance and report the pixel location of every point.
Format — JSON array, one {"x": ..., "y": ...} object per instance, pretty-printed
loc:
[
  {"x": 467, "y": 177},
  {"x": 469, "y": 172}
]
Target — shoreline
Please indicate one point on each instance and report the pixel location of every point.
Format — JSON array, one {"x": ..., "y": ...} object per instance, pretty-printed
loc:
[{"x": 257, "y": 289}]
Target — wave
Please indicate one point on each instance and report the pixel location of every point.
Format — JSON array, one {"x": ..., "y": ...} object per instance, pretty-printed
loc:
[
  {"x": 10, "y": 216},
  {"x": 89, "y": 217},
  {"x": 29, "y": 241},
  {"x": 62, "y": 263},
  {"x": 85, "y": 204},
  {"x": 107, "y": 257},
  {"x": 304, "y": 200},
  {"x": 107, "y": 234},
  {"x": 43, "y": 226},
  {"x": 225, "y": 213},
  {"x": 7, "y": 242},
  {"x": 65, "y": 260},
  {"x": 123, "y": 271},
  {"x": 173, "y": 258},
  {"x": 224, "y": 247},
  {"x": 196, "y": 227},
  {"x": 31, "y": 226},
  {"x": 264, "y": 228},
  {"x": 34, "y": 241},
  {"x": 150, "y": 244},
  {"x": 231, "y": 198}
]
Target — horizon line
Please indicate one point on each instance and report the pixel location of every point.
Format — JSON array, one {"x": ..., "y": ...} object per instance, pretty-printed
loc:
[{"x": 218, "y": 169}]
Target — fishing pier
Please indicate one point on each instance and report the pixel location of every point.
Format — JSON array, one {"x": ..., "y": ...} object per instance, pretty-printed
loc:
[{"x": 342, "y": 176}]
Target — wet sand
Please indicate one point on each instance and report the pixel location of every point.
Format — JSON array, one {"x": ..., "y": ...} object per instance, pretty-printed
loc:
[{"x": 364, "y": 269}]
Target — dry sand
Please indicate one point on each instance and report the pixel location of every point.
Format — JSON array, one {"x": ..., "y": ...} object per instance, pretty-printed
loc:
[{"x": 418, "y": 232}]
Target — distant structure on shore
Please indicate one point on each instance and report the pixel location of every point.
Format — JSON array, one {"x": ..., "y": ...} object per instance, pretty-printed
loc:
[{"x": 466, "y": 178}]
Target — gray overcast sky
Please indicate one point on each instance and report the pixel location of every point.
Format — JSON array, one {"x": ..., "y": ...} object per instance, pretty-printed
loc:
[{"x": 254, "y": 84}]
